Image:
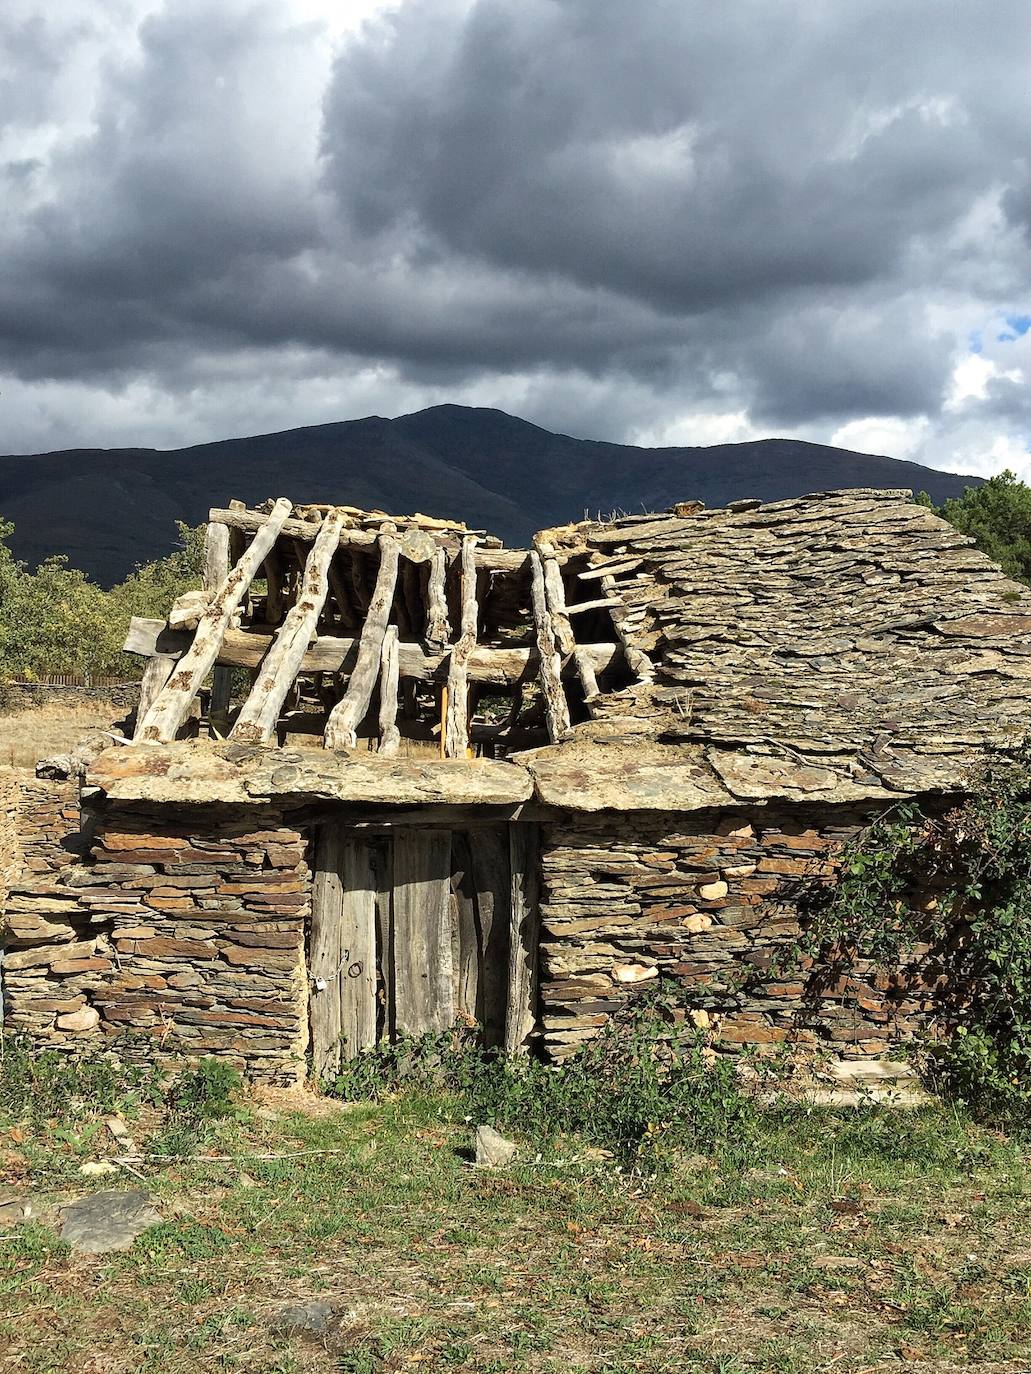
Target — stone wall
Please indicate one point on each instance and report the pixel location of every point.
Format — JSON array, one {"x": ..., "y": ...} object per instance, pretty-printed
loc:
[
  {"x": 184, "y": 932},
  {"x": 190, "y": 934},
  {"x": 708, "y": 900}
]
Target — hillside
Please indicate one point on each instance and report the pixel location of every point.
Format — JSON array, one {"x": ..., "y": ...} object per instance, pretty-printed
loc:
[{"x": 108, "y": 509}]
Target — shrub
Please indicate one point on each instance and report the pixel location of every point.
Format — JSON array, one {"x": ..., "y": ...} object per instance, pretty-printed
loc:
[
  {"x": 644, "y": 1088},
  {"x": 974, "y": 861}
]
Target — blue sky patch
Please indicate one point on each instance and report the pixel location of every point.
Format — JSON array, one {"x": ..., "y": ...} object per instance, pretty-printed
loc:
[{"x": 1019, "y": 325}]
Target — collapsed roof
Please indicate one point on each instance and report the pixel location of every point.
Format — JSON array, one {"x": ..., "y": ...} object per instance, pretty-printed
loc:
[{"x": 841, "y": 646}]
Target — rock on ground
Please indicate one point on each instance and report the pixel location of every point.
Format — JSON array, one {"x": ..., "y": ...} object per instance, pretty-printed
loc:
[
  {"x": 492, "y": 1149},
  {"x": 303, "y": 1318},
  {"x": 110, "y": 1220}
]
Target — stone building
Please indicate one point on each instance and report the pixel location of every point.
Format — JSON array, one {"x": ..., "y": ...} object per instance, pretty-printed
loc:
[{"x": 386, "y": 775}]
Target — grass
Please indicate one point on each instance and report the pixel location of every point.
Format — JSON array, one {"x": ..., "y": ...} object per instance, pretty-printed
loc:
[{"x": 850, "y": 1240}]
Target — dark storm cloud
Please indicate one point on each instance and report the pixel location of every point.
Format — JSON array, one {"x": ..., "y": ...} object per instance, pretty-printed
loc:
[{"x": 762, "y": 206}]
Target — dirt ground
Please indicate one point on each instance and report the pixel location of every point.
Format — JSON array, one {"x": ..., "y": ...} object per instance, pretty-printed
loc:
[{"x": 30, "y": 733}]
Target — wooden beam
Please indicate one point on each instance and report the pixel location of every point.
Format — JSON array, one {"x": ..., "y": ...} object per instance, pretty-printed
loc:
[
  {"x": 170, "y": 709},
  {"x": 601, "y": 603},
  {"x": 216, "y": 570},
  {"x": 216, "y": 555},
  {"x": 524, "y": 937},
  {"x": 389, "y": 734},
  {"x": 492, "y": 559},
  {"x": 348, "y": 713},
  {"x": 330, "y": 654},
  {"x": 438, "y": 626},
  {"x": 456, "y": 723},
  {"x": 556, "y": 708},
  {"x": 256, "y": 722}
]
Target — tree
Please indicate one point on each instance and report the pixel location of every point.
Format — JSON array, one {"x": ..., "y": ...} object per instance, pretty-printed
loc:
[
  {"x": 55, "y": 620},
  {"x": 997, "y": 516}
]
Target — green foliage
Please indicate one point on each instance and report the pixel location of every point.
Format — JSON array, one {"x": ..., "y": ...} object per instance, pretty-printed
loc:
[
  {"x": 643, "y": 1089},
  {"x": 209, "y": 1091},
  {"x": 961, "y": 883},
  {"x": 55, "y": 620},
  {"x": 997, "y": 516},
  {"x": 197, "y": 1101},
  {"x": 47, "y": 1089}
]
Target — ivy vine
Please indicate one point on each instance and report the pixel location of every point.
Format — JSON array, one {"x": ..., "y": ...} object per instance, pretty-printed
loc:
[{"x": 958, "y": 881}]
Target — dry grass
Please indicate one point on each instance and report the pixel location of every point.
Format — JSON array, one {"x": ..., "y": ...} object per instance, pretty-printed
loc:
[{"x": 850, "y": 1241}]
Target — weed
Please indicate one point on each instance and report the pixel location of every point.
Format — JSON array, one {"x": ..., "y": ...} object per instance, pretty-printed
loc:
[{"x": 644, "y": 1088}]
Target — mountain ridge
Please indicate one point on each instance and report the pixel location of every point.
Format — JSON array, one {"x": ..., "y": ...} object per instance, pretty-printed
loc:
[{"x": 108, "y": 509}]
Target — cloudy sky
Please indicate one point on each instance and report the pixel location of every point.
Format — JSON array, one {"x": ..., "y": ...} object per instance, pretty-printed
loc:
[{"x": 666, "y": 221}]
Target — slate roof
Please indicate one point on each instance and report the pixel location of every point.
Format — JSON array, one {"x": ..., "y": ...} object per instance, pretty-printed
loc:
[{"x": 843, "y": 644}]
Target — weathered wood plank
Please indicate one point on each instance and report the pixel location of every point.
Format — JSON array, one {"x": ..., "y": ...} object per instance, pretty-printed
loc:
[
  {"x": 556, "y": 708},
  {"x": 438, "y": 626},
  {"x": 639, "y": 662},
  {"x": 327, "y": 953},
  {"x": 389, "y": 734},
  {"x": 343, "y": 943},
  {"x": 456, "y": 723},
  {"x": 216, "y": 570},
  {"x": 157, "y": 672},
  {"x": 357, "y": 977},
  {"x": 169, "y": 711},
  {"x": 423, "y": 989},
  {"x": 280, "y": 666},
  {"x": 492, "y": 880},
  {"x": 350, "y": 710},
  {"x": 524, "y": 937}
]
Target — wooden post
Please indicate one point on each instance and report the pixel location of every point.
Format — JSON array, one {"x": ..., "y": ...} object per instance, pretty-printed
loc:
[
  {"x": 216, "y": 570},
  {"x": 260, "y": 712},
  {"x": 556, "y": 708},
  {"x": 349, "y": 712},
  {"x": 170, "y": 709},
  {"x": 155, "y": 675},
  {"x": 389, "y": 734},
  {"x": 274, "y": 584},
  {"x": 524, "y": 938},
  {"x": 438, "y": 626},
  {"x": 456, "y": 723},
  {"x": 556, "y": 596}
]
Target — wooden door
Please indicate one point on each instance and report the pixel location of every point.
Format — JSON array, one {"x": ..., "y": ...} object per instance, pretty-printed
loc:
[{"x": 415, "y": 930}]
